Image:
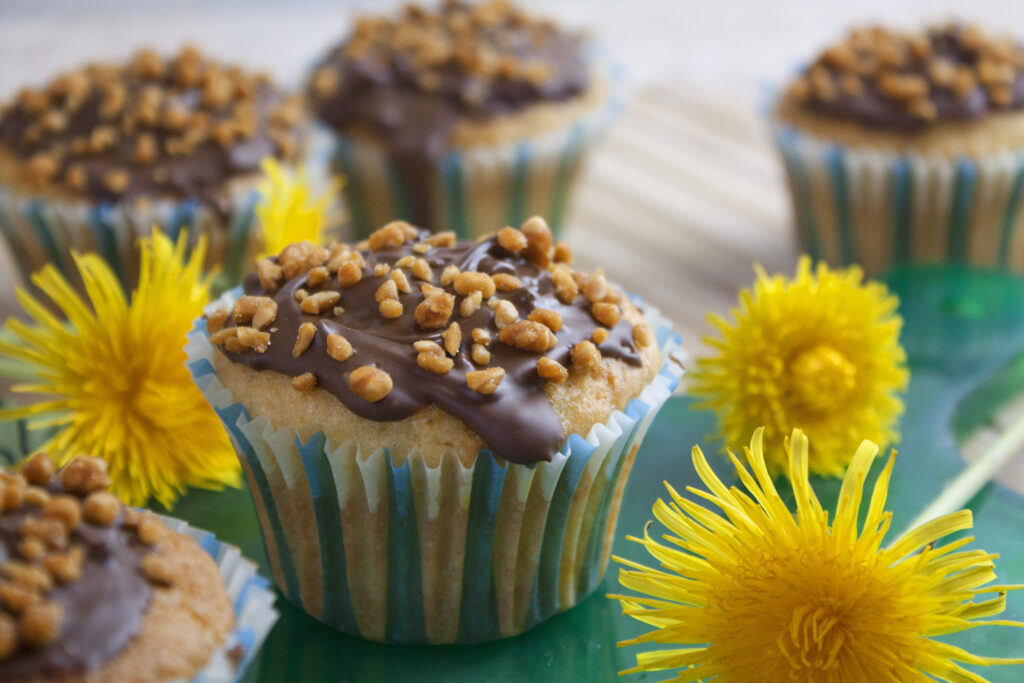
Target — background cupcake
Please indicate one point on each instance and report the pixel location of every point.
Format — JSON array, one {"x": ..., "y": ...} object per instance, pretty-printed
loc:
[
  {"x": 436, "y": 433},
  {"x": 93, "y": 590},
  {"x": 907, "y": 147},
  {"x": 100, "y": 155},
  {"x": 469, "y": 118}
]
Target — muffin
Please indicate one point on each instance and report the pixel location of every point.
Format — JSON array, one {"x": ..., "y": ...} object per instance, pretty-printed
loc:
[
  {"x": 98, "y": 156},
  {"x": 93, "y": 591},
  {"x": 436, "y": 433},
  {"x": 907, "y": 147},
  {"x": 464, "y": 118}
]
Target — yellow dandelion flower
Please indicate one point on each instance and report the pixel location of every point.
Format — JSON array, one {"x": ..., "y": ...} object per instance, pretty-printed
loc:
[
  {"x": 287, "y": 212},
  {"x": 820, "y": 352},
  {"x": 757, "y": 593},
  {"x": 115, "y": 373}
]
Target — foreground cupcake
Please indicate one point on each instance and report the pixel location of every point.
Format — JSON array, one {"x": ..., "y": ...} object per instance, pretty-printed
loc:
[
  {"x": 907, "y": 147},
  {"x": 469, "y": 117},
  {"x": 436, "y": 433},
  {"x": 93, "y": 591},
  {"x": 95, "y": 158}
]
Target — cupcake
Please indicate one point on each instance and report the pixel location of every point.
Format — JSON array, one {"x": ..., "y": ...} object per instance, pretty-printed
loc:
[
  {"x": 436, "y": 433},
  {"x": 94, "y": 591},
  {"x": 467, "y": 118},
  {"x": 98, "y": 156},
  {"x": 908, "y": 147}
]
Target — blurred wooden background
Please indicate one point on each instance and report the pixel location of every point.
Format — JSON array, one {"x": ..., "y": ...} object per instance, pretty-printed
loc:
[{"x": 684, "y": 195}]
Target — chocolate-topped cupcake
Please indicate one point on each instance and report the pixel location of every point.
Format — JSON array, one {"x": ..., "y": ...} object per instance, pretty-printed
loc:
[
  {"x": 905, "y": 146},
  {"x": 436, "y": 432},
  {"x": 99, "y": 155},
  {"x": 93, "y": 591},
  {"x": 467, "y": 117}
]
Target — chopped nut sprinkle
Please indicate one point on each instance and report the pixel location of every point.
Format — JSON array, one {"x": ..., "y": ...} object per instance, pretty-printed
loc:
[
  {"x": 369, "y": 383},
  {"x": 585, "y": 355},
  {"x": 304, "y": 382},
  {"x": 38, "y": 470},
  {"x": 527, "y": 335},
  {"x": 551, "y": 319},
  {"x": 434, "y": 311},
  {"x": 470, "y": 304},
  {"x": 485, "y": 381},
  {"x": 452, "y": 339},
  {"x": 481, "y": 355},
  {"x": 307, "y": 332},
  {"x": 551, "y": 370},
  {"x": 506, "y": 283},
  {"x": 321, "y": 302}
]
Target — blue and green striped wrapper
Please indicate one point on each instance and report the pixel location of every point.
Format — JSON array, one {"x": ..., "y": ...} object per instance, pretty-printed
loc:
[
  {"x": 878, "y": 208},
  {"x": 40, "y": 230},
  {"x": 251, "y": 598},
  {"x": 480, "y": 189},
  {"x": 380, "y": 546}
]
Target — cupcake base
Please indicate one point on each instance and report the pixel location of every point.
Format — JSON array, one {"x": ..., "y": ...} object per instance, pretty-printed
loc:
[
  {"x": 878, "y": 208},
  {"x": 386, "y": 548}
]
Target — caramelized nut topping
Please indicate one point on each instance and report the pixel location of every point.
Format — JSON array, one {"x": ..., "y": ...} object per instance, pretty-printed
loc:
[
  {"x": 512, "y": 239},
  {"x": 369, "y": 383},
  {"x": 16, "y": 598},
  {"x": 157, "y": 569},
  {"x": 506, "y": 283},
  {"x": 338, "y": 347},
  {"x": 481, "y": 356},
  {"x": 448, "y": 275},
  {"x": 485, "y": 381},
  {"x": 304, "y": 382},
  {"x": 551, "y": 370},
  {"x": 469, "y": 282},
  {"x": 505, "y": 314},
  {"x": 101, "y": 508},
  {"x": 321, "y": 302},
  {"x": 551, "y": 319},
  {"x": 391, "y": 308},
  {"x": 40, "y": 624},
  {"x": 307, "y": 331},
  {"x": 251, "y": 338},
  {"x": 269, "y": 273},
  {"x": 643, "y": 336},
  {"x": 452, "y": 339},
  {"x": 83, "y": 475},
  {"x": 215, "y": 321},
  {"x": 600, "y": 335},
  {"x": 527, "y": 335},
  {"x": 585, "y": 355},
  {"x": 38, "y": 470},
  {"x": 606, "y": 314},
  {"x": 470, "y": 304},
  {"x": 434, "y": 311},
  {"x": 65, "y": 509}
]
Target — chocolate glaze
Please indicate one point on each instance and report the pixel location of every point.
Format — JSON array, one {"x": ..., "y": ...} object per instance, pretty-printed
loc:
[
  {"x": 516, "y": 422},
  {"x": 873, "y": 108},
  {"x": 201, "y": 174},
  {"x": 102, "y": 610},
  {"x": 382, "y": 91}
]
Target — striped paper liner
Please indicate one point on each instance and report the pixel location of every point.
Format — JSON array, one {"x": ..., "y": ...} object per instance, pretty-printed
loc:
[
  {"x": 39, "y": 231},
  {"x": 878, "y": 208},
  {"x": 411, "y": 554},
  {"x": 478, "y": 190},
  {"x": 251, "y": 598}
]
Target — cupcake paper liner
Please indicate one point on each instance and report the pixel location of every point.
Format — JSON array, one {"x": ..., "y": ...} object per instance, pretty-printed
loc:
[
  {"x": 477, "y": 190},
  {"x": 877, "y": 208},
  {"x": 252, "y": 601},
  {"x": 400, "y": 552},
  {"x": 40, "y": 230}
]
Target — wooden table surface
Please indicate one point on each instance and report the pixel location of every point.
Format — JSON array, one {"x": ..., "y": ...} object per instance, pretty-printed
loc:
[{"x": 685, "y": 192}]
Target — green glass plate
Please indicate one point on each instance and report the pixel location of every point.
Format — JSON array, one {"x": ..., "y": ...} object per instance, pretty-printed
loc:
[{"x": 964, "y": 334}]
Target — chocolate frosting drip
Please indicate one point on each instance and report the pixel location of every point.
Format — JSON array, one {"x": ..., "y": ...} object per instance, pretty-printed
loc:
[
  {"x": 102, "y": 609},
  {"x": 465, "y": 61},
  {"x": 933, "y": 59},
  {"x": 516, "y": 422},
  {"x": 183, "y": 129}
]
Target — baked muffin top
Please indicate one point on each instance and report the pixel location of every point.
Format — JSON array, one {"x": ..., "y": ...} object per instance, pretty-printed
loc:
[
  {"x": 894, "y": 80},
  {"x": 413, "y": 76},
  {"x": 408, "y": 319},
  {"x": 181, "y": 128},
  {"x": 76, "y": 569}
]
